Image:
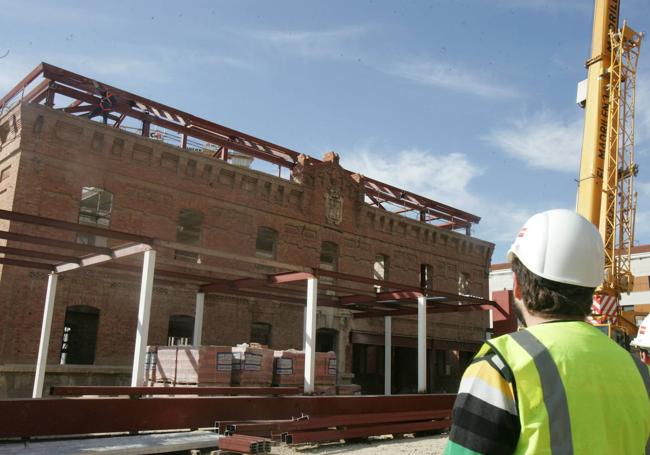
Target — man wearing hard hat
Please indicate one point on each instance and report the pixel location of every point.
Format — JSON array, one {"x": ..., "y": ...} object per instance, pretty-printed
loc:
[
  {"x": 642, "y": 340},
  {"x": 560, "y": 386}
]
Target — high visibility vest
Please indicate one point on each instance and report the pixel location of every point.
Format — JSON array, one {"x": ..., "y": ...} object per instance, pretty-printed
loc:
[{"x": 577, "y": 391}]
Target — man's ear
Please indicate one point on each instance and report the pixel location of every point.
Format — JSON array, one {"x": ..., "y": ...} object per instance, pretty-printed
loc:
[{"x": 516, "y": 290}]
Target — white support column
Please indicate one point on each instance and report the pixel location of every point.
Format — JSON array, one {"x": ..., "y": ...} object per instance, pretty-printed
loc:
[
  {"x": 388, "y": 349},
  {"x": 144, "y": 311},
  {"x": 198, "y": 319},
  {"x": 422, "y": 344},
  {"x": 310, "y": 334},
  {"x": 304, "y": 329},
  {"x": 44, "y": 343}
]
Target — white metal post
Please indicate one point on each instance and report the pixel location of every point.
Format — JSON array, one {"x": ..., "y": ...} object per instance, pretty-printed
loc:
[
  {"x": 310, "y": 334},
  {"x": 144, "y": 311},
  {"x": 44, "y": 343},
  {"x": 304, "y": 329},
  {"x": 422, "y": 344},
  {"x": 388, "y": 348},
  {"x": 198, "y": 319}
]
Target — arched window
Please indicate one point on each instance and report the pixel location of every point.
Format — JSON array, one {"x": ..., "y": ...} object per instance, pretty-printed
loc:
[
  {"x": 79, "y": 335},
  {"x": 188, "y": 231},
  {"x": 95, "y": 210},
  {"x": 180, "y": 331}
]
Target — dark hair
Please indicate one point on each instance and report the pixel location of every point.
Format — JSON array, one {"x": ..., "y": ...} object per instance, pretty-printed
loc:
[{"x": 549, "y": 298}]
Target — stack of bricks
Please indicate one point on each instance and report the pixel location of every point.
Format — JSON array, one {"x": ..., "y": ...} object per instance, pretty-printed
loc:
[
  {"x": 150, "y": 365},
  {"x": 252, "y": 366},
  {"x": 325, "y": 373},
  {"x": 204, "y": 365},
  {"x": 165, "y": 372},
  {"x": 191, "y": 365},
  {"x": 289, "y": 368}
]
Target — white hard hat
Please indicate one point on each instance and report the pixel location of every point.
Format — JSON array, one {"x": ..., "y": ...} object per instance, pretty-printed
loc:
[
  {"x": 642, "y": 339},
  {"x": 561, "y": 246}
]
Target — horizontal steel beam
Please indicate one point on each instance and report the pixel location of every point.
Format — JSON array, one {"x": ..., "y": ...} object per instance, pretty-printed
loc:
[
  {"x": 76, "y": 391},
  {"x": 299, "y": 437},
  {"x": 75, "y": 227},
  {"x": 37, "y": 254},
  {"x": 24, "y": 238},
  {"x": 60, "y": 416},
  {"x": 27, "y": 264}
]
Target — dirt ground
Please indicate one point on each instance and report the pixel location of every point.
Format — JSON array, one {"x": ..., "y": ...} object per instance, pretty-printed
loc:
[{"x": 429, "y": 445}]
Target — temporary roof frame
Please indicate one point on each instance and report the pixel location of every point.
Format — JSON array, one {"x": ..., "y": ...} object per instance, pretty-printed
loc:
[
  {"x": 394, "y": 299},
  {"x": 46, "y": 81}
]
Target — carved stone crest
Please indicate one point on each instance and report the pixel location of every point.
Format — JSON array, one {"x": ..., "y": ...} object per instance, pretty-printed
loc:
[{"x": 333, "y": 206}]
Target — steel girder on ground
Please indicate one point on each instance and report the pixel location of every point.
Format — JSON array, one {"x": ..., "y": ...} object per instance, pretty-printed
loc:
[
  {"x": 24, "y": 418},
  {"x": 46, "y": 81}
]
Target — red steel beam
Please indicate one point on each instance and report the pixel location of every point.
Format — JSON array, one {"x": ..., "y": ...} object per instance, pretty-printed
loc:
[
  {"x": 27, "y": 264},
  {"x": 362, "y": 432},
  {"x": 38, "y": 254},
  {"x": 316, "y": 422},
  {"x": 54, "y": 243},
  {"x": 34, "y": 417},
  {"x": 75, "y": 227},
  {"x": 362, "y": 279},
  {"x": 76, "y": 391},
  {"x": 414, "y": 311},
  {"x": 21, "y": 85},
  {"x": 84, "y": 89}
]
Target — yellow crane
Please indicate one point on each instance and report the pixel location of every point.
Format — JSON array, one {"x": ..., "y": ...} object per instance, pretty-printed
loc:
[{"x": 606, "y": 194}]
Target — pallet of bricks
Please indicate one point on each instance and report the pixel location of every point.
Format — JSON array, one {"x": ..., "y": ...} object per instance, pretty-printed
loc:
[
  {"x": 252, "y": 365},
  {"x": 188, "y": 365},
  {"x": 289, "y": 370}
]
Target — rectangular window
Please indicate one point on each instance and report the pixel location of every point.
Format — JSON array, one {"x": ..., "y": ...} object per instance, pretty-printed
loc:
[
  {"x": 380, "y": 269},
  {"x": 464, "y": 283},
  {"x": 188, "y": 231},
  {"x": 329, "y": 259},
  {"x": 95, "y": 210},
  {"x": 426, "y": 276},
  {"x": 266, "y": 247}
]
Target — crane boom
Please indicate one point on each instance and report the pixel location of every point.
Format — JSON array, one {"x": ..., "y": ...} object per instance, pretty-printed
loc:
[
  {"x": 594, "y": 138},
  {"x": 607, "y": 169}
]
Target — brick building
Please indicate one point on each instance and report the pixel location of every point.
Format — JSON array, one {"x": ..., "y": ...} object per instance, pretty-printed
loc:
[{"x": 58, "y": 165}]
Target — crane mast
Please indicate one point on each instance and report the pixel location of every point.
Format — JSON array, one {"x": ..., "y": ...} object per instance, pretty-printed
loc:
[{"x": 606, "y": 187}]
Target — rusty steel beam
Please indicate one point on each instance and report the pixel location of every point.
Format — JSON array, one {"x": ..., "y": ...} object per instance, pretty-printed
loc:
[
  {"x": 322, "y": 422},
  {"x": 27, "y": 264},
  {"x": 38, "y": 254},
  {"x": 75, "y": 227},
  {"x": 21, "y": 85},
  {"x": 300, "y": 437},
  {"x": 34, "y": 417},
  {"x": 76, "y": 391},
  {"x": 24, "y": 238},
  {"x": 363, "y": 279},
  {"x": 413, "y": 311}
]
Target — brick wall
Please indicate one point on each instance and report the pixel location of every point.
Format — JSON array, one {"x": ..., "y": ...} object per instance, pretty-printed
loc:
[{"x": 50, "y": 156}]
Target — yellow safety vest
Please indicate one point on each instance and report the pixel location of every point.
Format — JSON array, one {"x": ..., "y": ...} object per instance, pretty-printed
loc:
[{"x": 578, "y": 392}]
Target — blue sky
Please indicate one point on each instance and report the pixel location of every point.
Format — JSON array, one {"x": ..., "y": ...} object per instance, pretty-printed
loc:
[{"x": 469, "y": 102}]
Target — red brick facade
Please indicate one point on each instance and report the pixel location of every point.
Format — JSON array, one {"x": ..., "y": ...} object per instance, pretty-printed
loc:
[{"x": 46, "y": 157}]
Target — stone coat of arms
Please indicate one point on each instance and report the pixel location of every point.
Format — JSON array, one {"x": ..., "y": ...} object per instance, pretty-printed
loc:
[{"x": 333, "y": 206}]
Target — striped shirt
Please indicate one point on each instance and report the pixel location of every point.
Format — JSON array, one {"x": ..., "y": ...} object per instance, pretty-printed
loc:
[{"x": 485, "y": 418}]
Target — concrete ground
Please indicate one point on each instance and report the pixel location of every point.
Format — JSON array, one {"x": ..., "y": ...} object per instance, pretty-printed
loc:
[{"x": 429, "y": 445}]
